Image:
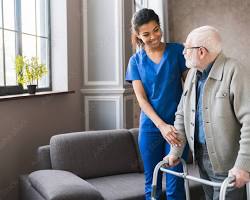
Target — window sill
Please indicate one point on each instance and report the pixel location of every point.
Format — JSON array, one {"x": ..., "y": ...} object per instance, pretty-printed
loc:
[{"x": 37, "y": 95}]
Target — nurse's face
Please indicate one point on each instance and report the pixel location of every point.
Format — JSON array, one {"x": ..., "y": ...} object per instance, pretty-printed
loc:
[{"x": 150, "y": 34}]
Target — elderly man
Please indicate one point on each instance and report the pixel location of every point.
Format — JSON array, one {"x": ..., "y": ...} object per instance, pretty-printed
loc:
[{"x": 214, "y": 113}]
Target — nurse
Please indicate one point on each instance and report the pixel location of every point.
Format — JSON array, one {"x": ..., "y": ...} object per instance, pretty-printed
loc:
[{"x": 156, "y": 72}]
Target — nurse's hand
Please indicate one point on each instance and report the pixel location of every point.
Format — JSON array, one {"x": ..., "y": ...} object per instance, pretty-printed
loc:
[{"x": 170, "y": 134}]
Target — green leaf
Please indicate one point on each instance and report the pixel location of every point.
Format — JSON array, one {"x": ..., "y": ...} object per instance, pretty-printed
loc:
[{"x": 29, "y": 71}]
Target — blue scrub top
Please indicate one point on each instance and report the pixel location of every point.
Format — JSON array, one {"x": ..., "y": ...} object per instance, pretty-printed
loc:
[{"x": 161, "y": 82}]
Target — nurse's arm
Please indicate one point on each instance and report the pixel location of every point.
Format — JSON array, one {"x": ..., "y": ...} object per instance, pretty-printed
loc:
[{"x": 166, "y": 130}]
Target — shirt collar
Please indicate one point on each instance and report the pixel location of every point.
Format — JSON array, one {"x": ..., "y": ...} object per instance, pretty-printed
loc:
[{"x": 205, "y": 72}]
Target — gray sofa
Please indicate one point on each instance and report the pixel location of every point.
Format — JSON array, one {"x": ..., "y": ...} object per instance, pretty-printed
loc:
[{"x": 93, "y": 165}]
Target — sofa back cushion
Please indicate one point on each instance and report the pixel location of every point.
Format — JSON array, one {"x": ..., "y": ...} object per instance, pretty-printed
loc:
[
  {"x": 135, "y": 133},
  {"x": 94, "y": 153}
]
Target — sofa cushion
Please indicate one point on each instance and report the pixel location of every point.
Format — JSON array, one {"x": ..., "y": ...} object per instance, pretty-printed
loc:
[
  {"x": 27, "y": 191},
  {"x": 94, "y": 153},
  {"x": 59, "y": 185},
  {"x": 119, "y": 187}
]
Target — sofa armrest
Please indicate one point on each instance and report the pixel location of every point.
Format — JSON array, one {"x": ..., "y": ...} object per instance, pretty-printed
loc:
[
  {"x": 58, "y": 184},
  {"x": 43, "y": 157}
]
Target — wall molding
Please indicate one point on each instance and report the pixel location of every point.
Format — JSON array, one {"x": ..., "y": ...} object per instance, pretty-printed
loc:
[
  {"x": 128, "y": 98},
  {"x": 102, "y": 91},
  {"x": 115, "y": 99},
  {"x": 119, "y": 47}
]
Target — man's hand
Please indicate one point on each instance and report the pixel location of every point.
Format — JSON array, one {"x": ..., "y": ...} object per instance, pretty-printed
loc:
[
  {"x": 171, "y": 160},
  {"x": 241, "y": 176},
  {"x": 170, "y": 134}
]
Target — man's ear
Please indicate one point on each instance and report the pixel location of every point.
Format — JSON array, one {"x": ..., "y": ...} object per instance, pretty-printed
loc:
[{"x": 202, "y": 52}]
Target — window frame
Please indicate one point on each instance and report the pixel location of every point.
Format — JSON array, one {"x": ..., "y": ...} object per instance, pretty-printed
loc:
[{"x": 15, "y": 89}]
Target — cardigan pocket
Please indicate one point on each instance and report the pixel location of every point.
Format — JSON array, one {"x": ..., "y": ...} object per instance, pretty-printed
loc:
[
  {"x": 222, "y": 104},
  {"x": 222, "y": 94}
]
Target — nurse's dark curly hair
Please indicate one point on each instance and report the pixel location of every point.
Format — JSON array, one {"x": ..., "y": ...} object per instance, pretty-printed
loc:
[{"x": 140, "y": 18}]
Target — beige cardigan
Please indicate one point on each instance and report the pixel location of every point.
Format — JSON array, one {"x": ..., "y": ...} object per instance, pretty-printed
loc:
[{"x": 226, "y": 114}]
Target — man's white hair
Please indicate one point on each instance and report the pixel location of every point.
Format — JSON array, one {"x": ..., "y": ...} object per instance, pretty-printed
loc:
[{"x": 206, "y": 36}]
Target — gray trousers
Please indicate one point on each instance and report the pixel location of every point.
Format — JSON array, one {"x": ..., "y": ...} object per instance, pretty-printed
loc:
[{"x": 206, "y": 172}]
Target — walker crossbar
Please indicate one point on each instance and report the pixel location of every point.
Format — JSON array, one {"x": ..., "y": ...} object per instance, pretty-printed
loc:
[{"x": 161, "y": 166}]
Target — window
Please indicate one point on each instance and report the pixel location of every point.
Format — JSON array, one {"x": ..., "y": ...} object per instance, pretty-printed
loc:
[
  {"x": 24, "y": 30},
  {"x": 139, "y": 4}
]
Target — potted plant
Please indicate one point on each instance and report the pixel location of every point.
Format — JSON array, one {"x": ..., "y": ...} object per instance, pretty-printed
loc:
[{"x": 29, "y": 71}]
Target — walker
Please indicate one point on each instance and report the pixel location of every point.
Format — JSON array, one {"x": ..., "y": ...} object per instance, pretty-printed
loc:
[{"x": 228, "y": 182}]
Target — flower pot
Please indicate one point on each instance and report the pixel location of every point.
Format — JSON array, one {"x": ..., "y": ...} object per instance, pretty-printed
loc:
[{"x": 31, "y": 89}]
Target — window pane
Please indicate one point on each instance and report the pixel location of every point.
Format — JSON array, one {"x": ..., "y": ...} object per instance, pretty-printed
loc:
[
  {"x": 9, "y": 14},
  {"x": 9, "y": 42},
  {"x": 29, "y": 45},
  {"x": 28, "y": 16},
  {"x": 42, "y": 17},
  {"x": 1, "y": 12},
  {"x": 42, "y": 53},
  {"x": 1, "y": 59}
]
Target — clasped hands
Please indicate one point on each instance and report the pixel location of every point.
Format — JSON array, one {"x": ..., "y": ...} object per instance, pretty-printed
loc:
[{"x": 169, "y": 133}]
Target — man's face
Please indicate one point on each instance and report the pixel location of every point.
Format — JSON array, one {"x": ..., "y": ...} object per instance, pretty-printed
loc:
[{"x": 190, "y": 53}]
